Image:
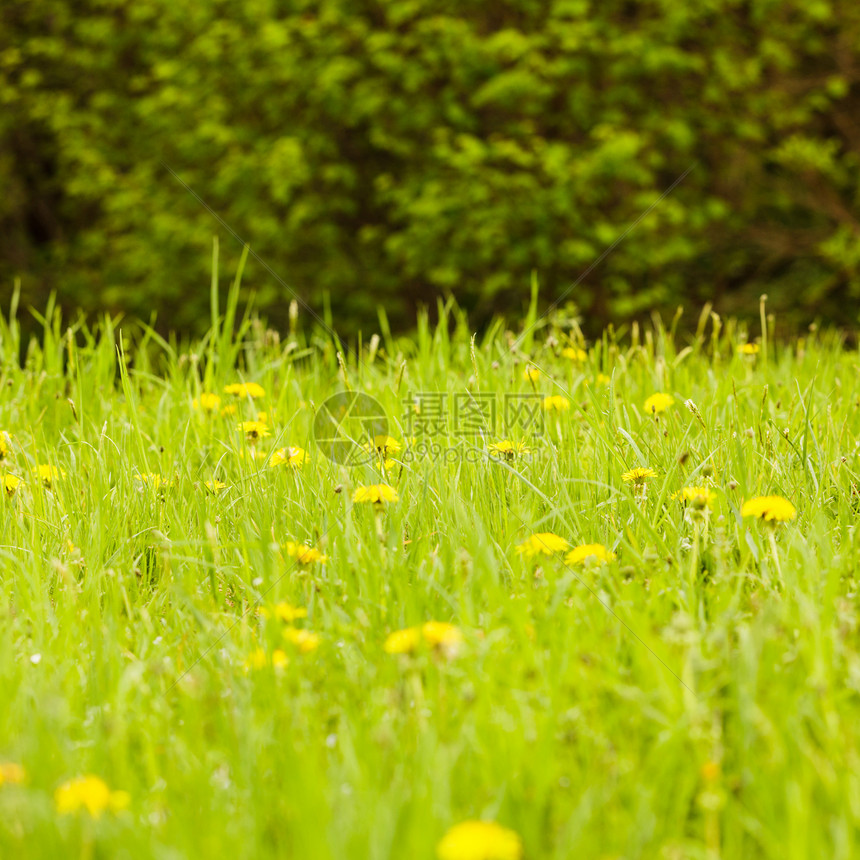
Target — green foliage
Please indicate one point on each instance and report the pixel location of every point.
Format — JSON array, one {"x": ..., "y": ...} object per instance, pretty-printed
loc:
[
  {"x": 384, "y": 152},
  {"x": 697, "y": 697}
]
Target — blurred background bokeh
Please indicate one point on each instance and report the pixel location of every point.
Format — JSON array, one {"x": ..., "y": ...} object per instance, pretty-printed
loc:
[{"x": 389, "y": 151}]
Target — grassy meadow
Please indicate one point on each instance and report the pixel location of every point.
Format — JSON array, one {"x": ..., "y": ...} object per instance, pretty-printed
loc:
[{"x": 215, "y": 643}]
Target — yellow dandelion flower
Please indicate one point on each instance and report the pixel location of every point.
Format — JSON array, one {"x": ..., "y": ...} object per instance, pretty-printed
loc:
[
  {"x": 507, "y": 450},
  {"x": 215, "y": 486},
  {"x": 259, "y": 659},
  {"x": 304, "y": 640},
  {"x": 90, "y": 794},
  {"x": 403, "y": 641},
  {"x": 4, "y": 448},
  {"x": 437, "y": 635},
  {"x": 245, "y": 389},
  {"x": 290, "y": 456},
  {"x": 285, "y": 612},
  {"x": 556, "y": 403},
  {"x": 151, "y": 479},
  {"x": 659, "y": 402},
  {"x": 282, "y": 611},
  {"x": 11, "y": 773},
  {"x": 589, "y": 552},
  {"x": 279, "y": 659},
  {"x": 440, "y": 634},
  {"x": 769, "y": 508},
  {"x": 263, "y": 417},
  {"x": 208, "y": 402},
  {"x": 228, "y": 410},
  {"x": 702, "y": 497},
  {"x": 480, "y": 840},
  {"x": 749, "y": 349},
  {"x": 10, "y": 484},
  {"x": 384, "y": 445},
  {"x": 303, "y": 553},
  {"x": 48, "y": 474},
  {"x": 601, "y": 379},
  {"x": 376, "y": 493},
  {"x": 710, "y": 771},
  {"x": 542, "y": 543},
  {"x": 638, "y": 475},
  {"x": 254, "y": 430},
  {"x": 531, "y": 374},
  {"x": 574, "y": 353}
]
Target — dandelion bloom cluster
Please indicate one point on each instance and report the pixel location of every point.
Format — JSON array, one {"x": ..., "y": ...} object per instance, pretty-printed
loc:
[
  {"x": 575, "y": 353},
  {"x": 245, "y": 389},
  {"x": 376, "y": 493},
  {"x": 90, "y": 794},
  {"x": 545, "y": 543},
  {"x": 589, "y": 552},
  {"x": 480, "y": 840},
  {"x": 289, "y": 456},
  {"x": 254, "y": 430},
  {"x": 302, "y": 553},
  {"x": 284, "y": 611},
  {"x": 10, "y": 484},
  {"x": 403, "y": 641},
  {"x": 438, "y": 635},
  {"x": 507, "y": 450},
  {"x": 208, "y": 402},
  {"x": 659, "y": 402},
  {"x": 259, "y": 659},
  {"x": 638, "y": 475},
  {"x": 385, "y": 445},
  {"x": 769, "y": 508},
  {"x": 150, "y": 479},
  {"x": 556, "y": 403},
  {"x": 48, "y": 474},
  {"x": 304, "y": 640},
  {"x": 702, "y": 497}
]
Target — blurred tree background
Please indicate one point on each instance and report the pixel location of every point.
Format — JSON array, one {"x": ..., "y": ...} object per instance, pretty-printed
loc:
[{"x": 386, "y": 151}]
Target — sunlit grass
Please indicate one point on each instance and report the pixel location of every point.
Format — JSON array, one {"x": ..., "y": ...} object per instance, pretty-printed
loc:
[{"x": 233, "y": 639}]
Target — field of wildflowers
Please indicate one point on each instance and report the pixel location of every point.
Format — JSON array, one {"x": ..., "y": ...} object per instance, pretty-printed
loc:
[{"x": 517, "y": 596}]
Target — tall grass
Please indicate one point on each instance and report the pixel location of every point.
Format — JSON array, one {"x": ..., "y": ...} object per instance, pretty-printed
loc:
[{"x": 696, "y": 697}]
